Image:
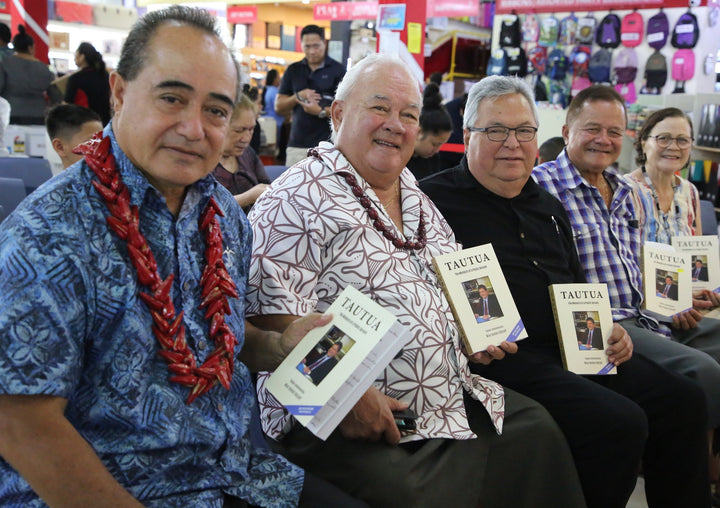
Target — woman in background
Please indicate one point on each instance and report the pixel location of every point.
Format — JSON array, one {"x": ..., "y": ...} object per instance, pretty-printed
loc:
[
  {"x": 240, "y": 170},
  {"x": 90, "y": 86},
  {"x": 669, "y": 204},
  {"x": 435, "y": 129},
  {"x": 24, "y": 81},
  {"x": 269, "y": 94}
]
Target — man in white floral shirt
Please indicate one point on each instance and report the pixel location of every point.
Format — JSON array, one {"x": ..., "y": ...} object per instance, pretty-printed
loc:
[{"x": 350, "y": 214}]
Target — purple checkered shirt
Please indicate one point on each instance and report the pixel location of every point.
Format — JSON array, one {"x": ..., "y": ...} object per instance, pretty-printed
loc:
[{"x": 607, "y": 254}]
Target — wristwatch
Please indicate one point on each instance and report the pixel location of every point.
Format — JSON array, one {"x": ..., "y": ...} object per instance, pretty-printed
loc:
[{"x": 322, "y": 114}]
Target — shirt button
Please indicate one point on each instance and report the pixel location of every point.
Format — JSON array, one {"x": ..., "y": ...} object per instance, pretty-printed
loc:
[
  {"x": 535, "y": 262},
  {"x": 186, "y": 285},
  {"x": 202, "y": 345},
  {"x": 220, "y": 406},
  {"x": 522, "y": 235}
]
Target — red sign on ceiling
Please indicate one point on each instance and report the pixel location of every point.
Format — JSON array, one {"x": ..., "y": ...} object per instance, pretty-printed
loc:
[
  {"x": 345, "y": 11},
  {"x": 452, "y": 8},
  {"x": 242, "y": 15}
]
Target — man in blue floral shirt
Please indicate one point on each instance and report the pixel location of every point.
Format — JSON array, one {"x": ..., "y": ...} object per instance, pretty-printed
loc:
[{"x": 122, "y": 288}]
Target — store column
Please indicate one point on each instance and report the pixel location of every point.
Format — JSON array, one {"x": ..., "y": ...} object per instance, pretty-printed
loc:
[
  {"x": 34, "y": 15},
  {"x": 415, "y": 18}
]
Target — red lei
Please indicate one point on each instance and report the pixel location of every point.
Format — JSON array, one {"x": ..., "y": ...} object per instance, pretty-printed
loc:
[{"x": 216, "y": 283}]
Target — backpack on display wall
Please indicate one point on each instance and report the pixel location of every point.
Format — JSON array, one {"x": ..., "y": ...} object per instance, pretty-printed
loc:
[
  {"x": 658, "y": 30},
  {"x": 549, "y": 27},
  {"x": 608, "y": 31},
  {"x": 631, "y": 30},
  {"x": 683, "y": 68},
  {"x": 599, "y": 67},
  {"x": 656, "y": 74},
  {"x": 516, "y": 62},
  {"x": 585, "y": 34},
  {"x": 568, "y": 30},
  {"x": 625, "y": 71},
  {"x": 510, "y": 31},
  {"x": 530, "y": 28},
  {"x": 557, "y": 64},
  {"x": 537, "y": 60},
  {"x": 497, "y": 65},
  {"x": 686, "y": 32}
]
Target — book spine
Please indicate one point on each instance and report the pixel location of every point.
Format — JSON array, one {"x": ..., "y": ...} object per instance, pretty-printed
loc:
[
  {"x": 558, "y": 328},
  {"x": 458, "y": 323}
]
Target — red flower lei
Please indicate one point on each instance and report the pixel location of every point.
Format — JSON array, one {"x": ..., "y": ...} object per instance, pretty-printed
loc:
[{"x": 217, "y": 285}]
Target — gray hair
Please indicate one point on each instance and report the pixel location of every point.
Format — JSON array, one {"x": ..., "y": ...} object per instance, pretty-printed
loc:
[
  {"x": 492, "y": 87},
  {"x": 347, "y": 85}
]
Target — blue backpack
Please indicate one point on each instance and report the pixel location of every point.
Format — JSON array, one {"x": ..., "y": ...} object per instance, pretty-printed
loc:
[
  {"x": 557, "y": 64},
  {"x": 497, "y": 66},
  {"x": 608, "y": 32},
  {"x": 599, "y": 68}
]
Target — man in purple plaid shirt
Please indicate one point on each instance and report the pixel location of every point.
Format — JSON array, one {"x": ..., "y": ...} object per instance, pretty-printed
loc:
[{"x": 608, "y": 240}]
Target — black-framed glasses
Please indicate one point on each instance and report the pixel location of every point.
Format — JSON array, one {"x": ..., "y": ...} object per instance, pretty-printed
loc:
[
  {"x": 499, "y": 133},
  {"x": 665, "y": 140}
]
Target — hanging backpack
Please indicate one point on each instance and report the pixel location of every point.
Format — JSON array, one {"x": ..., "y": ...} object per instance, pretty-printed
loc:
[
  {"x": 624, "y": 74},
  {"x": 516, "y": 62},
  {"x": 537, "y": 59},
  {"x": 580, "y": 60},
  {"x": 559, "y": 93},
  {"x": 608, "y": 32},
  {"x": 497, "y": 66},
  {"x": 568, "y": 29},
  {"x": 549, "y": 31},
  {"x": 585, "y": 34},
  {"x": 541, "y": 94},
  {"x": 683, "y": 68},
  {"x": 578, "y": 84},
  {"x": 510, "y": 31},
  {"x": 656, "y": 73},
  {"x": 658, "y": 29},
  {"x": 599, "y": 67},
  {"x": 530, "y": 28},
  {"x": 631, "y": 30},
  {"x": 557, "y": 65},
  {"x": 626, "y": 66},
  {"x": 686, "y": 32}
]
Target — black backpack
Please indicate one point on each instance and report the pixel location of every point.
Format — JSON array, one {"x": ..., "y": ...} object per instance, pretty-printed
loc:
[{"x": 510, "y": 31}]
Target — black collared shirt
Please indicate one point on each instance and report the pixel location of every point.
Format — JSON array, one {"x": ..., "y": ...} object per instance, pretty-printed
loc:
[
  {"x": 530, "y": 233},
  {"x": 309, "y": 130}
]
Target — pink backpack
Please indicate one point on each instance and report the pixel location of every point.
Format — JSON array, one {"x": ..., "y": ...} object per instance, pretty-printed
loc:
[
  {"x": 631, "y": 30},
  {"x": 683, "y": 65}
]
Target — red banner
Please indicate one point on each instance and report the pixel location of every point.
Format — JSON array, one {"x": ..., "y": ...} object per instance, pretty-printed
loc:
[
  {"x": 73, "y": 12},
  {"x": 242, "y": 15},
  {"x": 539, "y": 6},
  {"x": 452, "y": 8},
  {"x": 345, "y": 11}
]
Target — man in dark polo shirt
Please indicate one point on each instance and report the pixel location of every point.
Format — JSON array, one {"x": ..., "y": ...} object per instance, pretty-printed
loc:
[
  {"x": 611, "y": 423},
  {"x": 308, "y": 88}
]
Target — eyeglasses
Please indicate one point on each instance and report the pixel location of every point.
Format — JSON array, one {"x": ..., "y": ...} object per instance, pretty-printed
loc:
[
  {"x": 664, "y": 141},
  {"x": 500, "y": 133}
]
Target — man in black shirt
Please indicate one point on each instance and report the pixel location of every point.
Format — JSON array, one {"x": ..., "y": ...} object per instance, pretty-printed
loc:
[
  {"x": 308, "y": 89},
  {"x": 611, "y": 422}
]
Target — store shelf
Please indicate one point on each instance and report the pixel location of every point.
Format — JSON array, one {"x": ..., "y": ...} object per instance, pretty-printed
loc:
[{"x": 706, "y": 149}]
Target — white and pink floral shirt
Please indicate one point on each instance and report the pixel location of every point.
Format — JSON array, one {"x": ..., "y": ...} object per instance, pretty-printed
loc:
[{"x": 312, "y": 238}]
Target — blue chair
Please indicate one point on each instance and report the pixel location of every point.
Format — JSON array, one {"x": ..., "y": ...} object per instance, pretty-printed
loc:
[
  {"x": 708, "y": 218},
  {"x": 274, "y": 171},
  {"x": 33, "y": 171},
  {"x": 12, "y": 192}
]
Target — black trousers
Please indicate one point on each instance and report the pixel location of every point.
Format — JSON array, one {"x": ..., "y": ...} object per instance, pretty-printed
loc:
[{"x": 613, "y": 423}]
